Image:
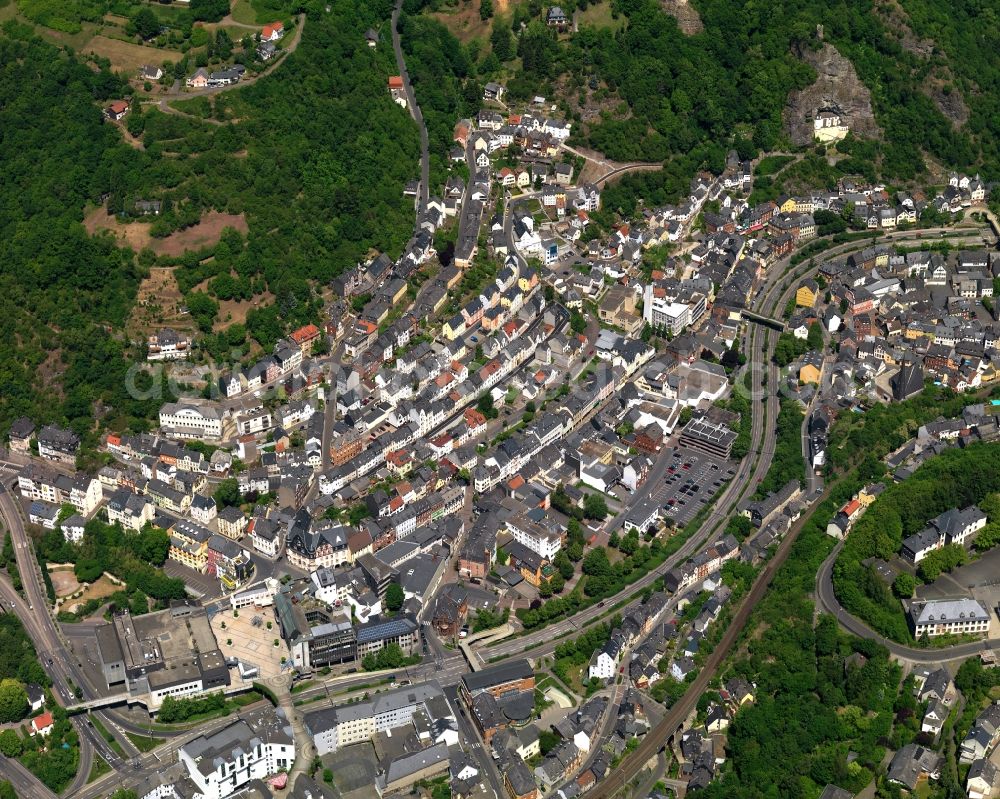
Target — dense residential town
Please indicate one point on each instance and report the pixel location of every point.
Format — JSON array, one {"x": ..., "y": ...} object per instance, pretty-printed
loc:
[{"x": 490, "y": 524}]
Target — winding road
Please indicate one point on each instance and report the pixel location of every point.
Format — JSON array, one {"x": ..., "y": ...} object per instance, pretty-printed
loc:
[
  {"x": 162, "y": 102},
  {"x": 418, "y": 117},
  {"x": 827, "y": 600}
]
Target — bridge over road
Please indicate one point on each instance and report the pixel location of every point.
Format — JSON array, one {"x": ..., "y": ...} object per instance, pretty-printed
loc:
[
  {"x": 101, "y": 701},
  {"x": 760, "y": 319}
]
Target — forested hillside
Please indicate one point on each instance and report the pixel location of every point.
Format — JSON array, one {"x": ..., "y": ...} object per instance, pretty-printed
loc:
[
  {"x": 734, "y": 79},
  {"x": 58, "y": 287},
  {"x": 314, "y": 156},
  {"x": 641, "y": 89}
]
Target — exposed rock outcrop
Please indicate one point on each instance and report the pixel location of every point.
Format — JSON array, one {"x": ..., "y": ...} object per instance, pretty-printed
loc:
[
  {"x": 837, "y": 85},
  {"x": 686, "y": 15}
]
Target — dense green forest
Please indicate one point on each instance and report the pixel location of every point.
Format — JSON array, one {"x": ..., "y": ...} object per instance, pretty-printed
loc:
[
  {"x": 884, "y": 428},
  {"x": 316, "y": 163},
  {"x": 788, "y": 463},
  {"x": 53, "y": 761},
  {"x": 58, "y": 287},
  {"x": 956, "y": 478},
  {"x": 18, "y": 659}
]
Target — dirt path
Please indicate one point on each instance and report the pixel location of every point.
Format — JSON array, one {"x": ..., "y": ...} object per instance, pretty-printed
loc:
[
  {"x": 131, "y": 140},
  {"x": 166, "y": 108},
  {"x": 599, "y": 170}
]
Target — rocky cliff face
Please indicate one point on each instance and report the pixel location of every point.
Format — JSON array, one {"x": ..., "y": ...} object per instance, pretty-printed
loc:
[
  {"x": 688, "y": 19},
  {"x": 836, "y": 85}
]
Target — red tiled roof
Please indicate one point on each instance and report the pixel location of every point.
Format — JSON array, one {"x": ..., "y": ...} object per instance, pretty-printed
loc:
[
  {"x": 395, "y": 82},
  {"x": 398, "y": 457},
  {"x": 305, "y": 333},
  {"x": 41, "y": 721},
  {"x": 474, "y": 418}
]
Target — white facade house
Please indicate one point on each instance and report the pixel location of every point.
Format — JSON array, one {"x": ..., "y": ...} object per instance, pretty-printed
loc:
[
  {"x": 253, "y": 422},
  {"x": 131, "y": 511},
  {"x": 535, "y": 537},
  {"x": 949, "y": 617},
  {"x": 336, "y": 727},
  {"x": 265, "y": 537},
  {"x": 602, "y": 666},
  {"x": 82, "y": 491},
  {"x": 187, "y": 420},
  {"x": 255, "y": 747},
  {"x": 661, "y": 312},
  {"x": 829, "y": 126},
  {"x": 167, "y": 345}
]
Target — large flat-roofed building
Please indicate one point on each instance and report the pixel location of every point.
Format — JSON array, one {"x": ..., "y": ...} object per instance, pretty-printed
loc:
[
  {"x": 189, "y": 420},
  {"x": 378, "y": 633},
  {"x": 316, "y": 624},
  {"x": 316, "y": 634},
  {"x": 343, "y": 725},
  {"x": 501, "y": 680},
  {"x": 706, "y": 436},
  {"x": 949, "y": 617},
  {"x": 169, "y": 653},
  {"x": 254, "y": 747}
]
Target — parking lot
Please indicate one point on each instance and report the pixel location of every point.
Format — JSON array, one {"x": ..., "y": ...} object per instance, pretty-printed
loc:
[{"x": 693, "y": 478}]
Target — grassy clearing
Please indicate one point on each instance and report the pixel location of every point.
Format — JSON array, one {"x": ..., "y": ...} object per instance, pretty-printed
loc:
[
  {"x": 598, "y": 15},
  {"x": 98, "y": 769},
  {"x": 771, "y": 164},
  {"x": 195, "y": 106},
  {"x": 232, "y": 703},
  {"x": 268, "y": 11},
  {"x": 112, "y": 741},
  {"x": 244, "y": 13},
  {"x": 126, "y": 56},
  {"x": 145, "y": 743}
]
